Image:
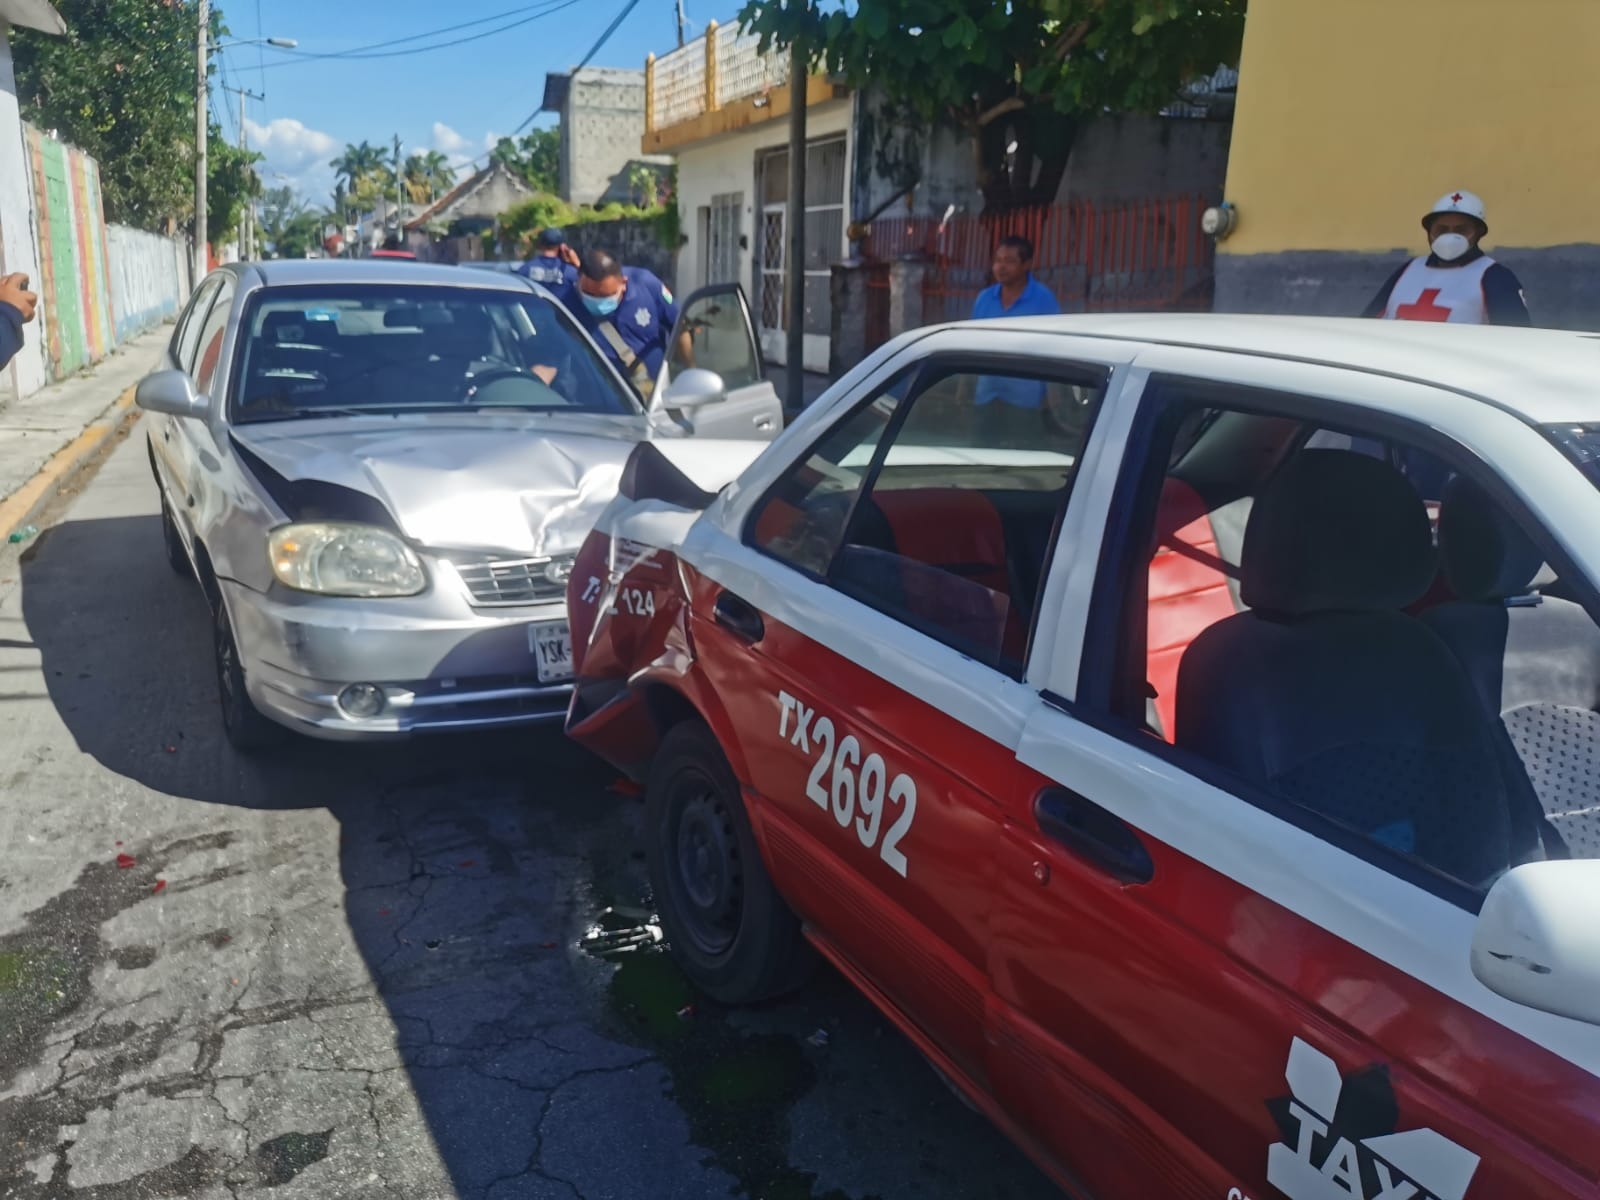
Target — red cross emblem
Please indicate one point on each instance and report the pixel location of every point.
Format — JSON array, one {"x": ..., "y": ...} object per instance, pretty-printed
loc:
[
  {"x": 1456, "y": 199},
  {"x": 1424, "y": 309}
]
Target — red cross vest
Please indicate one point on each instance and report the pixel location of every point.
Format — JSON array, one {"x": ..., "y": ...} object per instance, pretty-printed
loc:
[{"x": 1453, "y": 294}]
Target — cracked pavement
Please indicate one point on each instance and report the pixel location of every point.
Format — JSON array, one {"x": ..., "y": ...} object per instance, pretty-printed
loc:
[{"x": 361, "y": 971}]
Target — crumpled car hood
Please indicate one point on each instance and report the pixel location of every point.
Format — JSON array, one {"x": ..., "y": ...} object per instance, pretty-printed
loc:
[{"x": 529, "y": 485}]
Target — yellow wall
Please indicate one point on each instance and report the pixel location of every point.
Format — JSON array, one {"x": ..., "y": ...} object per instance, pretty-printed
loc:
[{"x": 1354, "y": 116}]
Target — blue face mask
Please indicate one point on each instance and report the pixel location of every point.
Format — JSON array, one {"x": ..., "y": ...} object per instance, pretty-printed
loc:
[{"x": 601, "y": 306}]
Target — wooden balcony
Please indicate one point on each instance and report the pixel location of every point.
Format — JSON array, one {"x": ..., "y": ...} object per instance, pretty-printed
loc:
[{"x": 717, "y": 84}]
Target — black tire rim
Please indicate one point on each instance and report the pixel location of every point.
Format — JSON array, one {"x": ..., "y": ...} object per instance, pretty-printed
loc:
[{"x": 707, "y": 875}]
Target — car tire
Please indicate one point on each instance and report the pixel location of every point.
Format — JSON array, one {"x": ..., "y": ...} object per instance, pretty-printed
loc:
[
  {"x": 177, "y": 556},
  {"x": 728, "y": 928},
  {"x": 247, "y": 730}
]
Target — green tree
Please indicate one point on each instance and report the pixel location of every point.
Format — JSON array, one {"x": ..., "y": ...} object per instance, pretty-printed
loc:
[
  {"x": 535, "y": 156},
  {"x": 231, "y": 182},
  {"x": 289, "y": 225},
  {"x": 119, "y": 85},
  {"x": 428, "y": 176},
  {"x": 1016, "y": 78}
]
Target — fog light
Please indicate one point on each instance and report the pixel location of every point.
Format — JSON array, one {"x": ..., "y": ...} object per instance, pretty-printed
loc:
[{"x": 362, "y": 700}]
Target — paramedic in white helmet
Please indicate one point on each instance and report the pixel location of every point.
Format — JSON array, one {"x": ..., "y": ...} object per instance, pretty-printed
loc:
[{"x": 1456, "y": 282}]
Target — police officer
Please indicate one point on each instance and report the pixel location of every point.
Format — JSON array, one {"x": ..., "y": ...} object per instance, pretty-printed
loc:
[
  {"x": 630, "y": 314},
  {"x": 554, "y": 263},
  {"x": 1457, "y": 282}
]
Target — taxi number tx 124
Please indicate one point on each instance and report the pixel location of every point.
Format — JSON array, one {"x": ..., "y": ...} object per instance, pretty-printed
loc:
[{"x": 854, "y": 789}]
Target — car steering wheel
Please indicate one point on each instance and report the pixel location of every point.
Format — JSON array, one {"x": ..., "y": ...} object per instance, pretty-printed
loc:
[{"x": 489, "y": 374}]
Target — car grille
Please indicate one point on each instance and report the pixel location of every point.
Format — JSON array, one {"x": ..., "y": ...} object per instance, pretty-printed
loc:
[{"x": 510, "y": 581}]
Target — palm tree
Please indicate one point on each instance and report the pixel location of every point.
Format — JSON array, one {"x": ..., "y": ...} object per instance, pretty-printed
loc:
[
  {"x": 358, "y": 163},
  {"x": 428, "y": 176}
]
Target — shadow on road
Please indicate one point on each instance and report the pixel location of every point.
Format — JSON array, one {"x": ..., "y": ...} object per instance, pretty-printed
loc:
[{"x": 475, "y": 875}]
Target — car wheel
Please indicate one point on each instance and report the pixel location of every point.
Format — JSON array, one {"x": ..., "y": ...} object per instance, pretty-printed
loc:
[
  {"x": 728, "y": 928},
  {"x": 247, "y": 730},
  {"x": 177, "y": 556}
]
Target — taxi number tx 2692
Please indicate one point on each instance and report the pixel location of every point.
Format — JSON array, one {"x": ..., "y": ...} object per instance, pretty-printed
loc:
[{"x": 854, "y": 789}]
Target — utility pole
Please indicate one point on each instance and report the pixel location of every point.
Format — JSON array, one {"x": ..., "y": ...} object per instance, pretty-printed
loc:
[
  {"x": 796, "y": 220},
  {"x": 247, "y": 226},
  {"x": 201, "y": 262},
  {"x": 681, "y": 23},
  {"x": 399, "y": 190}
]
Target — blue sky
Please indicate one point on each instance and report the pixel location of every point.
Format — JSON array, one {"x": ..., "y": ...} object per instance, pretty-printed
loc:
[{"x": 456, "y": 99}]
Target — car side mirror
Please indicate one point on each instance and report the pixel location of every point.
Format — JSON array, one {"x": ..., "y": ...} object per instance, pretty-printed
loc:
[
  {"x": 172, "y": 392},
  {"x": 693, "y": 389},
  {"x": 1537, "y": 941}
]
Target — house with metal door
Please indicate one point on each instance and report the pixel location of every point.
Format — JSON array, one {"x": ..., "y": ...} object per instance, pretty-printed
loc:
[{"x": 722, "y": 109}]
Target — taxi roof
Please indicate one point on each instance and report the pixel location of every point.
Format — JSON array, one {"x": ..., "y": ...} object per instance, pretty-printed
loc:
[{"x": 1545, "y": 376}]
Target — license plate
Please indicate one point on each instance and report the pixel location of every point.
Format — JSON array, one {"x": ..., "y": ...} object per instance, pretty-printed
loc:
[{"x": 551, "y": 643}]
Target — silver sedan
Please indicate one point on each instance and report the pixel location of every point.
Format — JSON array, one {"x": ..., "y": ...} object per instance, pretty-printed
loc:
[{"x": 380, "y": 473}]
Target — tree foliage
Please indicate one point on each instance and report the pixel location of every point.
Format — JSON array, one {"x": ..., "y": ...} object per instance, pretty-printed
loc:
[
  {"x": 120, "y": 86},
  {"x": 535, "y": 156},
  {"x": 289, "y": 226},
  {"x": 428, "y": 176},
  {"x": 1017, "y": 74}
]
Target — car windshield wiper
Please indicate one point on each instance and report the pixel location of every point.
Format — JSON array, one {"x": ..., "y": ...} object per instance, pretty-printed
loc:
[{"x": 304, "y": 414}]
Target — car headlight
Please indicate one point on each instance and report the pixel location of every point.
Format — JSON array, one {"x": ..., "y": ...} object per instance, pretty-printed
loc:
[{"x": 345, "y": 560}]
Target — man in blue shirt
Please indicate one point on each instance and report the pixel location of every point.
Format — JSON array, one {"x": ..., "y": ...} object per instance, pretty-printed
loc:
[
  {"x": 554, "y": 264},
  {"x": 630, "y": 314},
  {"x": 1012, "y": 410}
]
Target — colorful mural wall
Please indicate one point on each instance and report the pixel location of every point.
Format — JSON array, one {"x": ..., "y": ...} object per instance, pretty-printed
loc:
[{"x": 75, "y": 288}]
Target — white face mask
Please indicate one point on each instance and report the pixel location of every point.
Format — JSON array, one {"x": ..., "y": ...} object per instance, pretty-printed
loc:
[{"x": 1451, "y": 246}]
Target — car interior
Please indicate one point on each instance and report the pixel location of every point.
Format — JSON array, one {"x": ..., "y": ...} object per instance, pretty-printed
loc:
[{"x": 1359, "y": 631}]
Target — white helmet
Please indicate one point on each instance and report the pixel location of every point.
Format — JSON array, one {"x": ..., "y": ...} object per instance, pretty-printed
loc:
[{"x": 1458, "y": 202}]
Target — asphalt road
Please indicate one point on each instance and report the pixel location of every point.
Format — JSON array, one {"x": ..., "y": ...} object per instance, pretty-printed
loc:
[{"x": 409, "y": 971}]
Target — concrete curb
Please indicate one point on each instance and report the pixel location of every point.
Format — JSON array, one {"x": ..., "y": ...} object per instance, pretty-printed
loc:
[{"x": 31, "y": 499}]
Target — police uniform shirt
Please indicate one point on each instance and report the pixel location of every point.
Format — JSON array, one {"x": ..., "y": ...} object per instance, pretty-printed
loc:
[
  {"x": 644, "y": 319},
  {"x": 554, "y": 274}
]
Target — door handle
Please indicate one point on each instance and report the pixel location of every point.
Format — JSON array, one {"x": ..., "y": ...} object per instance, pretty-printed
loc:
[
  {"x": 763, "y": 423},
  {"x": 738, "y": 617},
  {"x": 1093, "y": 834}
]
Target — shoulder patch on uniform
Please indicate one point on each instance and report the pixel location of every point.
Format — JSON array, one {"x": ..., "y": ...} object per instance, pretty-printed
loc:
[{"x": 666, "y": 293}]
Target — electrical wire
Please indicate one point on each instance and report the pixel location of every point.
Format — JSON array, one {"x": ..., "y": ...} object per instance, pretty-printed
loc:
[
  {"x": 261, "y": 61},
  {"x": 367, "y": 53}
]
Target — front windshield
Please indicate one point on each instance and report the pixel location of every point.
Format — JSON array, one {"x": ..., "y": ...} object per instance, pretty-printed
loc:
[
  {"x": 389, "y": 349},
  {"x": 1580, "y": 443}
]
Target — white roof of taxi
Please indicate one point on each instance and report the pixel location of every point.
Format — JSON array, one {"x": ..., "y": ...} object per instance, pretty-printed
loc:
[{"x": 1542, "y": 375}]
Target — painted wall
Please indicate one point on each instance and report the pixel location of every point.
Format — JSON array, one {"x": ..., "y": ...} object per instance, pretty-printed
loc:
[
  {"x": 1354, "y": 117},
  {"x": 27, "y": 372},
  {"x": 727, "y": 164},
  {"x": 75, "y": 283},
  {"x": 149, "y": 279}
]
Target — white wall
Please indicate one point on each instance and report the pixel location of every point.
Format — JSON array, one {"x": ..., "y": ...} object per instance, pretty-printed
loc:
[
  {"x": 26, "y": 374},
  {"x": 728, "y": 164},
  {"x": 148, "y": 282}
]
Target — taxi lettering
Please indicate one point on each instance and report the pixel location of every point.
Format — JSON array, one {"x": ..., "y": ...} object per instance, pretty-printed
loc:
[{"x": 854, "y": 789}]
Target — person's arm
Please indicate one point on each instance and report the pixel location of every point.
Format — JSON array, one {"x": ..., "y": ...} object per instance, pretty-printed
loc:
[
  {"x": 10, "y": 333},
  {"x": 1381, "y": 301},
  {"x": 667, "y": 313},
  {"x": 1503, "y": 301}
]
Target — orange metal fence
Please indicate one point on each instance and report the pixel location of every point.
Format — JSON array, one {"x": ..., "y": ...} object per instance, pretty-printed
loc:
[{"x": 1095, "y": 256}]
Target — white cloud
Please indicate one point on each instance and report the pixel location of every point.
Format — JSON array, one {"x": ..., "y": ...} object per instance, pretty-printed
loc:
[{"x": 296, "y": 155}]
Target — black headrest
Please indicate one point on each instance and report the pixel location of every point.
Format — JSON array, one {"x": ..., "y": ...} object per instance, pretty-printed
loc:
[
  {"x": 1335, "y": 531},
  {"x": 276, "y": 323},
  {"x": 1486, "y": 555}
]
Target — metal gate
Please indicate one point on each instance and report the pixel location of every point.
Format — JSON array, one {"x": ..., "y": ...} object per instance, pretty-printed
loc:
[
  {"x": 825, "y": 224},
  {"x": 722, "y": 240}
]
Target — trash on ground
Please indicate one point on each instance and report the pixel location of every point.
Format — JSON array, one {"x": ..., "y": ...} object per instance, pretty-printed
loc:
[
  {"x": 23, "y": 534},
  {"x": 161, "y": 885},
  {"x": 818, "y": 1039},
  {"x": 124, "y": 861}
]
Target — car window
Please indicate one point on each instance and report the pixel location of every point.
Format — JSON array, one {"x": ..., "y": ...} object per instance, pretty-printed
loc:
[
  {"x": 209, "y": 343},
  {"x": 391, "y": 348},
  {"x": 1390, "y": 664},
  {"x": 939, "y": 508},
  {"x": 720, "y": 339},
  {"x": 187, "y": 336}
]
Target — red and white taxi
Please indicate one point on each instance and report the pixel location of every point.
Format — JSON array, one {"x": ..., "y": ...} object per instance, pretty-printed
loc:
[{"x": 1183, "y": 728}]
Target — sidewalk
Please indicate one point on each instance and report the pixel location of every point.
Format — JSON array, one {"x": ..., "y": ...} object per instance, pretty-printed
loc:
[{"x": 46, "y": 437}]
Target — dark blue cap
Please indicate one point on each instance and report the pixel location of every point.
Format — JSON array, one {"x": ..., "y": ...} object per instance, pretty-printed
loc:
[{"x": 552, "y": 237}]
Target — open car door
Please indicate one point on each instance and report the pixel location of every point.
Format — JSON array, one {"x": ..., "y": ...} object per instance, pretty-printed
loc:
[{"x": 714, "y": 333}]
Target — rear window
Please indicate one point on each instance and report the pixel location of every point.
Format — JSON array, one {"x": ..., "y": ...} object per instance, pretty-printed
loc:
[{"x": 334, "y": 351}]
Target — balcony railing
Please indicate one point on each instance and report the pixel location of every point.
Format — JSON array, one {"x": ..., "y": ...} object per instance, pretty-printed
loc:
[{"x": 707, "y": 74}]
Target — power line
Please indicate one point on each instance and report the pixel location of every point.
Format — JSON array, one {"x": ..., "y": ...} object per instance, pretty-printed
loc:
[
  {"x": 261, "y": 61},
  {"x": 373, "y": 51}
]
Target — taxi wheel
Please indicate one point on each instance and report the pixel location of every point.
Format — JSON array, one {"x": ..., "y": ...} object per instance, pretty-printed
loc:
[
  {"x": 728, "y": 928},
  {"x": 248, "y": 731}
]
